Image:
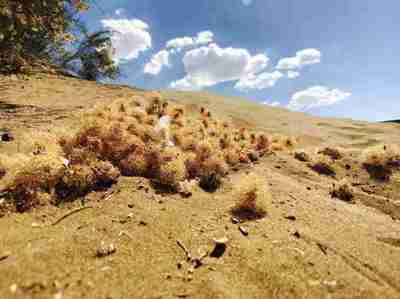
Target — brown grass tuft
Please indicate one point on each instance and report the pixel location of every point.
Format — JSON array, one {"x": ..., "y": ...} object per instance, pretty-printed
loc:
[
  {"x": 125, "y": 137},
  {"x": 323, "y": 165},
  {"x": 381, "y": 161},
  {"x": 253, "y": 197},
  {"x": 34, "y": 176},
  {"x": 333, "y": 153},
  {"x": 80, "y": 179},
  {"x": 343, "y": 191}
]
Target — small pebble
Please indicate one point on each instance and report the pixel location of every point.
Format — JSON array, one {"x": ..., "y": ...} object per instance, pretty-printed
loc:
[
  {"x": 296, "y": 234},
  {"x": 235, "y": 220},
  {"x": 7, "y": 137},
  {"x": 105, "y": 250}
]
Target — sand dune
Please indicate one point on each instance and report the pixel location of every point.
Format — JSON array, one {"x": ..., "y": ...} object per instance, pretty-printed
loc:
[{"x": 309, "y": 245}]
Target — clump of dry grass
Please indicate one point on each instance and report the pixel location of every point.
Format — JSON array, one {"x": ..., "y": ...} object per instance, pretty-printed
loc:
[
  {"x": 333, "y": 153},
  {"x": 343, "y": 191},
  {"x": 323, "y": 165},
  {"x": 80, "y": 179},
  {"x": 124, "y": 137},
  {"x": 280, "y": 142},
  {"x": 380, "y": 161},
  {"x": 30, "y": 177},
  {"x": 172, "y": 169},
  {"x": 253, "y": 196}
]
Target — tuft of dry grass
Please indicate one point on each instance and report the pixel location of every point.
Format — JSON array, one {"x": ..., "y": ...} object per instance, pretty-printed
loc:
[
  {"x": 323, "y": 165},
  {"x": 343, "y": 191},
  {"x": 253, "y": 196},
  {"x": 30, "y": 177},
  {"x": 124, "y": 137},
  {"x": 333, "y": 153},
  {"x": 80, "y": 179},
  {"x": 381, "y": 161},
  {"x": 280, "y": 142}
]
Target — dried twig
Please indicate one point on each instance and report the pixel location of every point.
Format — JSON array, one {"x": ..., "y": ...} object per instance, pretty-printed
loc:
[
  {"x": 5, "y": 256},
  {"x": 106, "y": 196},
  {"x": 197, "y": 262},
  {"x": 181, "y": 245},
  {"x": 71, "y": 213}
]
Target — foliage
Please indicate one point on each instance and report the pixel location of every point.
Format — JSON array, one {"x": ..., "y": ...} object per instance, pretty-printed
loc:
[
  {"x": 127, "y": 137},
  {"x": 43, "y": 33}
]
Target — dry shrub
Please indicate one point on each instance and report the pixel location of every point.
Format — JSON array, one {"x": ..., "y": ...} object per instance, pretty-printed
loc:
[
  {"x": 35, "y": 175},
  {"x": 333, "y": 153},
  {"x": 253, "y": 196},
  {"x": 80, "y": 179},
  {"x": 232, "y": 157},
  {"x": 124, "y": 136},
  {"x": 263, "y": 143},
  {"x": 380, "y": 161},
  {"x": 39, "y": 143},
  {"x": 209, "y": 170},
  {"x": 172, "y": 173},
  {"x": 323, "y": 165},
  {"x": 343, "y": 191},
  {"x": 171, "y": 168},
  {"x": 135, "y": 165}
]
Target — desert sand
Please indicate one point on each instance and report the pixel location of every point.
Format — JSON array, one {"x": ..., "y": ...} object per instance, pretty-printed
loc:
[{"x": 309, "y": 245}]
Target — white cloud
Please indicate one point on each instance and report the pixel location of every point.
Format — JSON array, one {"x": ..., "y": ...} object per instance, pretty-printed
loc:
[
  {"x": 157, "y": 62},
  {"x": 129, "y": 37},
  {"x": 185, "y": 84},
  {"x": 316, "y": 96},
  {"x": 259, "y": 81},
  {"x": 204, "y": 37},
  {"x": 273, "y": 104},
  {"x": 309, "y": 56},
  {"x": 210, "y": 65},
  {"x": 292, "y": 74},
  {"x": 179, "y": 43},
  {"x": 288, "y": 63},
  {"x": 302, "y": 58}
]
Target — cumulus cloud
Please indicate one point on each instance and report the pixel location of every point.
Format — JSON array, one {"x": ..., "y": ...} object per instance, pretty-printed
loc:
[
  {"x": 204, "y": 37},
  {"x": 292, "y": 74},
  {"x": 302, "y": 58},
  {"x": 273, "y": 104},
  {"x": 210, "y": 65},
  {"x": 157, "y": 62},
  {"x": 179, "y": 43},
  {"x": 129, "y": 37},
  {"x": 259, "y": 81},
  {"x": 316, "y": 96},
  {"x": 185, "y": 84}
]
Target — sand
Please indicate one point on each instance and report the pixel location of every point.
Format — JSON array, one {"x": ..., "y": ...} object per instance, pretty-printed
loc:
[{"x": 309, "y": 245}]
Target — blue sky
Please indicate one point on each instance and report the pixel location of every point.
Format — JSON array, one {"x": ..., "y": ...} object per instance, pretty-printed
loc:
[{"x": 347, "y": 51}]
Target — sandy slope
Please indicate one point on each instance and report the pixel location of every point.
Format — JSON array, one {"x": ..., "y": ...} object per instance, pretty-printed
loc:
[{"x": 331, "y": 250}]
